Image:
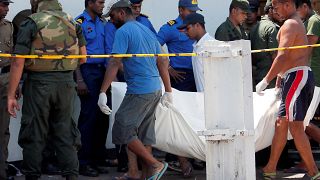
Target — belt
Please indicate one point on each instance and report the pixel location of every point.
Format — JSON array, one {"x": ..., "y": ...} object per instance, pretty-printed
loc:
[
  {"x": 284, "y": 75},
  {"x": 5, "y": 69}
]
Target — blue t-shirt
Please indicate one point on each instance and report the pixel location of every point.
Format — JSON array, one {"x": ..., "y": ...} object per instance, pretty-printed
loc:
[
  {"x": 177, "y": 42},
  {"x": 109, "y": 31},
  {"x": 141, "y": 73}
]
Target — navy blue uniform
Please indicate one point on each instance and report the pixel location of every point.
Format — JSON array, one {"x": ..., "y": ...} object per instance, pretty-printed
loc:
[
  {"x": 93, "y": 124},
  {"x": 143, "y": 19},
  {"x": 178, "y": 42}
]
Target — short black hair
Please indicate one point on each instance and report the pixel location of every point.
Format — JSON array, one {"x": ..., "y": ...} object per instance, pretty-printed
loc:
[
  {"x": 299, "y": 3},
  {"x": 232, "y": 6},
  {"x": 203, "y": 26},
  {"x": 86, "y": 2}
]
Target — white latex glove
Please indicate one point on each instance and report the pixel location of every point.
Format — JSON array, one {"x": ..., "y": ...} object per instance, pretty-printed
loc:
[
  {"x": 166, "y": 99},
  {"x": 261, "y": 86},
  {"x": 102, "y": 103}
]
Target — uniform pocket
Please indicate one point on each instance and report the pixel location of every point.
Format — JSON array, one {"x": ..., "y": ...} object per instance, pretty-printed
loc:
[
  {"x": 77, "y": 136},
  {"x": 25, "y": 135}
]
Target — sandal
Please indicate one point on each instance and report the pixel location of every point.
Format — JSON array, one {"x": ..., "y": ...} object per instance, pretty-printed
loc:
[
  {"x": 265, "y": 175},
  {"x": 174, "y": 166},
  {"x": 125, "y": 177},
  {"x": 269, "y": 176},
  {"x": 186, "y": 172},
  {"x": 316, "y": 176},
  {"x": 158, "y": 175}
]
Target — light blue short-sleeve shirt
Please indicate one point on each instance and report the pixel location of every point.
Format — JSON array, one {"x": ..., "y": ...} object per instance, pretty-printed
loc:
[{"x": 141, "y": 73}]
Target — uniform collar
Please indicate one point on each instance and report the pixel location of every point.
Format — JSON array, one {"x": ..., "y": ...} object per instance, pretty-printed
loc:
[
  {"x": 198, "y": 43},
  {"x": 267, "y": 18},
  {"x": 88, "y": 17},
  {"x": 309, "y": 15},
  {"x": 179, "y": 20},
  {"x": 231, "y": 24}
]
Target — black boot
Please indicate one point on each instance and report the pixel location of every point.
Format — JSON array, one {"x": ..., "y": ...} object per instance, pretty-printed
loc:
[{"x": 71, "y": 177}]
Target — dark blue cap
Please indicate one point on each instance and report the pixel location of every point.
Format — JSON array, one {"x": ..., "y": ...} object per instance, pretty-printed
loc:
[
  {"x": 192, "y": 5},
  {"x": 192, "y": 18},
  {"x": 136, "y": 1}
]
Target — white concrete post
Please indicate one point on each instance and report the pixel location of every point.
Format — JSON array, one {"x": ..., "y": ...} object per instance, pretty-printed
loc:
[{"x": 229, "y": 111}]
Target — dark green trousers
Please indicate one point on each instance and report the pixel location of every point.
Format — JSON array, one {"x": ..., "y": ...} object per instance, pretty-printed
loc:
[
  {"x": 48, "y": 107},
  {"x": 4, "y": 124}
]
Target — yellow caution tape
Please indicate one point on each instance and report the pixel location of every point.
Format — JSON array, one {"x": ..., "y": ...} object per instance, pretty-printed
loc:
[
  {"x": 93, "y": 56},
  {"x": 285, "y": 48},
  {"x": 140, "y": 55}
]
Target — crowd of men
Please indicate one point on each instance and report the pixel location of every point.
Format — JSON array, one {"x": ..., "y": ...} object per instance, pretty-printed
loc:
[{"x": 50, "y": 124}]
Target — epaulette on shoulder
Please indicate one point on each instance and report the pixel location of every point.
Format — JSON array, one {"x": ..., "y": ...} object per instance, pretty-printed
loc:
[
  {"x": 80, "y": 20},
  {"x": 143, "y": 15},
  {"x": 172, "y": 22}
]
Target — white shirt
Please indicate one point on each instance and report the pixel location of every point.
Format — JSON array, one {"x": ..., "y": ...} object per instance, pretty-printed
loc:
[{"x": 197, "y": 62}]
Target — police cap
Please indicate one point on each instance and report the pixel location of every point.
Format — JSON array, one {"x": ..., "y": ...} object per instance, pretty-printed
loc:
[
  {"x": 192, "y": 5},
  {"x": 136, "y": 1},
  {"x": 192, "y": 18}
]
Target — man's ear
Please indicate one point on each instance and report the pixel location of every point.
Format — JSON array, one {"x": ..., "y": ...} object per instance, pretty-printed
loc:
[{"x": 90, "y": 3}]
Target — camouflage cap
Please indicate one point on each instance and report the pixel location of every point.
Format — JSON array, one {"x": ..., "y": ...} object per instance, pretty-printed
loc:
[
  {"x": 242, "y": 4},
  {"x": 117, "y": 4}
]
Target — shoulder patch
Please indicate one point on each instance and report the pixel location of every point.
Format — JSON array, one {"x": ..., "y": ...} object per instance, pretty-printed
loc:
[
  {"x": 143, "y": 15},
  {"x": 80, "y": 20},
  {"x": 172, "y": 22}
]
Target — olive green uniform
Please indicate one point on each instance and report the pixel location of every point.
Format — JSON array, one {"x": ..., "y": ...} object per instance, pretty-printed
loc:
[
  {"x": 228, "y": 32},
  {"x": 6, "y": 44},
  {"x": 263, "y": 36},
  {"x": 312, "y": 25},
  {"x": 49, "y": 90}
]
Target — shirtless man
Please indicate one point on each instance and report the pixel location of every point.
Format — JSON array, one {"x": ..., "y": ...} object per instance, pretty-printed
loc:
[{"x": 297, "y": 86}]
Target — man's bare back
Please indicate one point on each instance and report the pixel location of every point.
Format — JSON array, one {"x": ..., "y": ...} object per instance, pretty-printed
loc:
[{"x": 292, "y": 33}]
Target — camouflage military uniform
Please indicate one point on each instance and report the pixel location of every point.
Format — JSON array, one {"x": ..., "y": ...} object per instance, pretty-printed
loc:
[
  {"x": 263, "y": 36},
  {"x": 228, "y": 32},
  {"x": 49, "y": 88},
  {"x": 312, "y": 25},
  {"x": 6, "y": 44}
]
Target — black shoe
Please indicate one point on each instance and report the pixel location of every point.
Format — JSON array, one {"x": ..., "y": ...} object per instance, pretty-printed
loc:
[
  {"x": 71, "y": 177},
  {"x": 10, "y": 178},
  {"x": 88, "y": 171},
  {"x": 102, "y": 169}
]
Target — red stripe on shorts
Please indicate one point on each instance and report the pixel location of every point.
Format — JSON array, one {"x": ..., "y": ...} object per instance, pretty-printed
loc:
[{"x": 292, "y": 90}]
